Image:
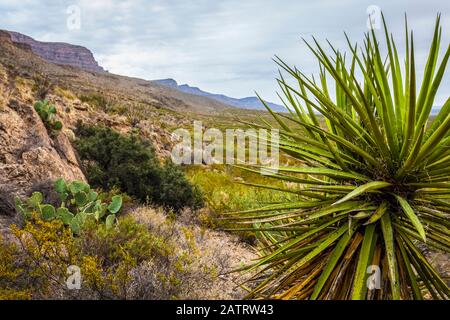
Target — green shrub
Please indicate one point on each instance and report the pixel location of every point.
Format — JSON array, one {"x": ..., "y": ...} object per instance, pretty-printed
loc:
[
  {"x": 79, "y": 203},
  {"x": 47, "y": 114},
  {"x": 176, "y": 190},
  {"x": 129, "y": 163}
]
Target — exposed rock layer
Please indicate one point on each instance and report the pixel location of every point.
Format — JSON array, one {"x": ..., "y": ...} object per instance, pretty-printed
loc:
[{"x": 60, "y": 53}]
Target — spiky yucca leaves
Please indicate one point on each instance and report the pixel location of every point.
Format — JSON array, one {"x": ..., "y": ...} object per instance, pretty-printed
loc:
[{"x": 373, "y": 184}]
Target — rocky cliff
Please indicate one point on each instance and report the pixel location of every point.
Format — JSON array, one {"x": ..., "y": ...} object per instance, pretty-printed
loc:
[
  {"x": 29, "y": 155},
  {"x": 60, "y": 53},
  {"x": 30, "y": 158}
]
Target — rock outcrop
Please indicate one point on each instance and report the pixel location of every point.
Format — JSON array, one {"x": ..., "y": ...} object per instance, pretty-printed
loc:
[
  {"x": 60, "y": 53},
  {"x": 29, "y": 156}
]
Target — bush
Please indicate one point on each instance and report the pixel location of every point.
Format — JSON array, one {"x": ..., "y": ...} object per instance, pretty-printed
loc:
[
  {"x": 37, "y": 268},
  {"x": 197, "y": 264},
  {"x": 129, "y": 163},
  {"x": 176, "y": 190},
  {"x": 155, "y": 258}
]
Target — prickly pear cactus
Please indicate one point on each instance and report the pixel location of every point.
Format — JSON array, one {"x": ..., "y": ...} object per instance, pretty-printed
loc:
[
  {"x": 78, "y": 204},
  {"x": 47, "y": 113}
]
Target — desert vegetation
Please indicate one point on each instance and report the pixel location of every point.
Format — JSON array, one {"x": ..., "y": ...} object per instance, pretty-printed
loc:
[
  {"x": 362, "y": 190},
  {"x": 146, "y": 255},
  {"x": 77, "y": 203},
  {"x": 130, "y": 163},
  {"x": 133, "y": 232},
  {"x": 373, "y": 187}
]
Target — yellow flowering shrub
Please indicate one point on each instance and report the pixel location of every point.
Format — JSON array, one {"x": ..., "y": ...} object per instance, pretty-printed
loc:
[
  {"x": 37, "y": 265},
  {"x": 10, "y": 273},
  {"x": 145, "y": 255}
]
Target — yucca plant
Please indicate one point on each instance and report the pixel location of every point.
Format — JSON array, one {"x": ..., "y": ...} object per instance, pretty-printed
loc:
[{"x": 372, "y": 181}]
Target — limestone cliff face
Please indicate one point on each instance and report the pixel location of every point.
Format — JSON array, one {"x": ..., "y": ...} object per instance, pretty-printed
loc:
[{"x": 60, "y": 53}]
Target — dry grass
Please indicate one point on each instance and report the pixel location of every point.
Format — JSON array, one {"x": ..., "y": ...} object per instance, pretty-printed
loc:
[
  {"x": 149, "y": 255},
  {"x": 206, "y": 259}
]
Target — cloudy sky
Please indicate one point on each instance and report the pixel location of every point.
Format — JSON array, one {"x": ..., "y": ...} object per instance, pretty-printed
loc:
[{"x": 221, "y": 46}]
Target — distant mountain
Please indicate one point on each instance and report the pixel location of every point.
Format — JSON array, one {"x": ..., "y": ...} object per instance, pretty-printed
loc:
[
  {"x": 435, "y": 110},
  {"x": 252, "y": 103},
  {"x": 59, "y": 53}
]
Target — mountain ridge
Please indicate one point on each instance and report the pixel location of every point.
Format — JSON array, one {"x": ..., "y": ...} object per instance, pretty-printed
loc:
[
  {"x": 251, "y": 103},
  {"x": 66, "y": 54},
  {"x": 130, "y": 91}
]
